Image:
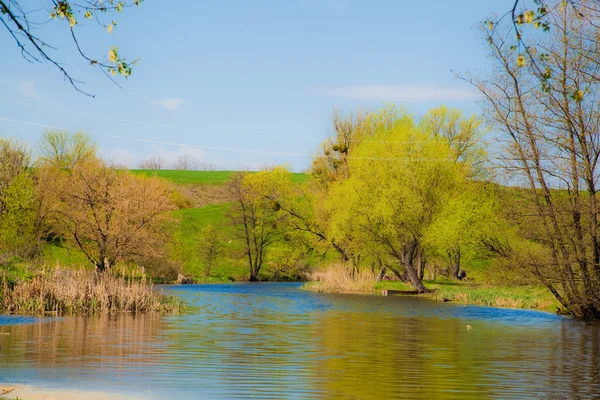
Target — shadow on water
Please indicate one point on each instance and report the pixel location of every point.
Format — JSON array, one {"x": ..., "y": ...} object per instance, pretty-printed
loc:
[{"x": 275, "y": 341}]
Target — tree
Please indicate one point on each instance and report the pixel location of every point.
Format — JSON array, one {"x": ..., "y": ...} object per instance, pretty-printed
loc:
[
  {"x": 256, "y": 212},
  {"x": 467, "y": 216},
  {"x": 549, "y": 117},
  {"x": 400, "y": 181},
  {"x": 186, "y": 162},
  {"x": 464, "y": 135},
  {"x": 330, "y": 165},
  {"x": 153, "y": 162},
  {"x": 18, "y": 217},
  {"x": 211, "y": 247},
  {"x": 112, "y": 215},
  {"x": 26, "y": 24},
  {"x": 64, "y": 150},
  {"x": 467, "y": 220}
]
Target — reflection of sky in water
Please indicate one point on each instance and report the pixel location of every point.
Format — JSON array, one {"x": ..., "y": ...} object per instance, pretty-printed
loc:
[
  {"x": 17, "y": 319},
  {"x": 273, "y": 340}
]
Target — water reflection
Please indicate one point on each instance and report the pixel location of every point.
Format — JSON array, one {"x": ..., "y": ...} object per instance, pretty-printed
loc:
[{"x": 275, "y": 341}]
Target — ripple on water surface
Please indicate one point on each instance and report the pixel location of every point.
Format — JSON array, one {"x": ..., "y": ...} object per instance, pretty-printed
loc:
[{"x": 277, "y": 341}]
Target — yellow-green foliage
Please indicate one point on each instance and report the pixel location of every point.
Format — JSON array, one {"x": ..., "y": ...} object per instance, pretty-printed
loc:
[
  {"x": 18, "y": 215},
  {"x": 465, "y": 219},
  {"x": 256, "y": 212},
  {"x": 402, "y": 178},
  {"x": 179, "y": 200},
  {"x": 17, "y": 200}
]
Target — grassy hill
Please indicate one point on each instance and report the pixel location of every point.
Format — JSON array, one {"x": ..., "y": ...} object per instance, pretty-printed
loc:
[{"x": 203, "y": 177}]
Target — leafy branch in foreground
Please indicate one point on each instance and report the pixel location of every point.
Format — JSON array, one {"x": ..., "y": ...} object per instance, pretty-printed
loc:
[{"x": 25, "y": 25}]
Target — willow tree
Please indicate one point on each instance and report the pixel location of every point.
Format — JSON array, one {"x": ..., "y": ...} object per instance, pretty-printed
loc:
[
  {"x": 546, "y": 108},
  {"x": 401, "y": 179},
  {"x": 466, "y": 218}
]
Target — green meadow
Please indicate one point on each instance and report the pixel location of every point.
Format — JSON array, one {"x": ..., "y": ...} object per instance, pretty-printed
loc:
[{"x": 203, "y": 177}]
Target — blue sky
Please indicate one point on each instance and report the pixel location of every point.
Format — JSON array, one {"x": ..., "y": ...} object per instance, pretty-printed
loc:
[{"x": 246, "y": 84}]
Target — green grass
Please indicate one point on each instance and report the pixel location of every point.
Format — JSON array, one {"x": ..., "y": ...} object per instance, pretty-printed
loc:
[
  {"x": 203, "y": 177},
  {"x": 189, "y": 177},
  {"x": 534, "y": 297},
  {"x": 187, "y": 243},
  {"x": 55, "y": 254}
]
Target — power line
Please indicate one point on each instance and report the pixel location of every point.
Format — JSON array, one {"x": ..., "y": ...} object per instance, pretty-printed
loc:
[
  {"x": 172, "y": 127},
  {"x": 157, "y": 141},
  {"x": 419, "y": 159},
  {"x": 185, "y": 128}
]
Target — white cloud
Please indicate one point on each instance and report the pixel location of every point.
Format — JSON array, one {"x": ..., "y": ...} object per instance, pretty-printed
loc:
[
  {"x": 398, "y": 93},
  {"x": 27, "y": 88},
  {"x": 169, "y": 103}
]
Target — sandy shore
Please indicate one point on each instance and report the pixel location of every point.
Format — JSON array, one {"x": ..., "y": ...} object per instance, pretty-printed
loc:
[{"x": 31, "y": 392}]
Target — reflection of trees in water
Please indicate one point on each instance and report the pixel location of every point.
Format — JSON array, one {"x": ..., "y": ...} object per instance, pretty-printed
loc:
[
  {"x": 375, "y": 356},
  {"x": 82, "y": 341},
  {"x": 577, "y": 356},
  {"x": 414, "y": 357}
]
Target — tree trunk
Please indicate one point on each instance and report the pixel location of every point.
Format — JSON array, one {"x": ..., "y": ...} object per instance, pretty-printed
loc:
[
  {"x": 416, "y": 283},
  {"x": 409, "y": 266},
  {"x": 381, "y": 274},
  {"x": 455, "y": 263},
  {"x": 400, "y": 276},
  {"x": 420, "y": 262}
]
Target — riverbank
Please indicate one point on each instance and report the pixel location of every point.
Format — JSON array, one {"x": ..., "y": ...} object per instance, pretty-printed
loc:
[
  {"x": 31, "y": 392},
  {"x": 527, "y": 297}
]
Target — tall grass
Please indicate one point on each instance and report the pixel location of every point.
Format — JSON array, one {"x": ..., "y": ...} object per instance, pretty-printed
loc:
[
  {"x": 69, "y": 291},
  {"x": 499, "y": 296},
  {"x": 339, "y": 278}
]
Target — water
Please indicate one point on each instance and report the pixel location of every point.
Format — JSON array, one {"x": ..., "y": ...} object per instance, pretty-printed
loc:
[{"x": 277, "y": 341}]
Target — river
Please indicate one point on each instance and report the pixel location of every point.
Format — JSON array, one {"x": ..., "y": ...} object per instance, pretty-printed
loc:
[{"x": 274, "y": 340}]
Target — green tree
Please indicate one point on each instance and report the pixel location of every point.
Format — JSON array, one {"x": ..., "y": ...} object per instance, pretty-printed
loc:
[
  {"x": 256, "y": 212},
  {"x": 466, "y": 221},
  {"x": 329, "y": 166},
  {"x": 464, "y": 135},
  {"x": 400, "y": 181},
  {"x": 210, "y": 247},
  {"x": 18, "y": 216},
  {"x": 64, "y": 150}
]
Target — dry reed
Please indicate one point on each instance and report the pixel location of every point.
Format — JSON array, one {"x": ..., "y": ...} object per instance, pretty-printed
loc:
[
  {"x": 69, "y": 291},
  {"x": 339, "y": 278}
]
